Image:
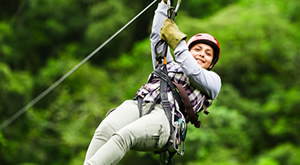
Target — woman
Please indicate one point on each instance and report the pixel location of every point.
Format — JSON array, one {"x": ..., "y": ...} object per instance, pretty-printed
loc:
[{"x": 126, "y": 127}]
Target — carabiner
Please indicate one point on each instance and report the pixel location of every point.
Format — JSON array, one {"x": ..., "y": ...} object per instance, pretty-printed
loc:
[{"x": 172, "y": 12}]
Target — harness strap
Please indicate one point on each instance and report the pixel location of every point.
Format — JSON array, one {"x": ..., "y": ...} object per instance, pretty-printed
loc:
[
  {"x": 164, "y": 96},
  {"x": 181, "y": 97},
  {"x": 191, "y": 116},
  {"x": 140, "y": 105},
  {"x": 164, "y": 76},
  {"x": 166, "y": 158},
  {"x": 206, "y": 104}
]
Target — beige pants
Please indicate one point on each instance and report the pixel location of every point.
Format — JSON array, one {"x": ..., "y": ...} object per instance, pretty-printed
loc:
[{"x": 123, "y": 130}]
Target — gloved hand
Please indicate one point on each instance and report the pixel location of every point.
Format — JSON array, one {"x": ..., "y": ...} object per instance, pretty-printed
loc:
[{"x": 170, "y": 33}]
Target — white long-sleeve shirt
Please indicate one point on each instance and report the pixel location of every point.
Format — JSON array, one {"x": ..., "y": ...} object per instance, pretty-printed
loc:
[{"x": 206, "y": 81}]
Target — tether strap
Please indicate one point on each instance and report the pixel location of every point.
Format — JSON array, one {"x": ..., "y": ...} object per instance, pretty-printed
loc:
[{"x": 191, "y": 116}]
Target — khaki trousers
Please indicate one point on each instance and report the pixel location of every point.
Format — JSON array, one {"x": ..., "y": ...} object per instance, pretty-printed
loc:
[{"x": 123, "y": 130}]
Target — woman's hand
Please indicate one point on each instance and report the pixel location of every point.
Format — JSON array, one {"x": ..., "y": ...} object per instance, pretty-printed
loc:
[{"x": 170, "y": 33}]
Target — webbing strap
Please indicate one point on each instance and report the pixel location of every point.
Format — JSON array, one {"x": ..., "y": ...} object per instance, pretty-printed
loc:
[
  {"x": 164, "y": 96},
  {"x": 164, "y": 76},
  {"x": 166, "y": 158},
  {"x": 181, "y": 97},
  {"x": 164, "y": 81},
  {"x": 188, "y": 106},
  {"x": 140, "y": 105}
]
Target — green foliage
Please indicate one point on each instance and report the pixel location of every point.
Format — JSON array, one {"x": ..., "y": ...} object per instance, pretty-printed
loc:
[
  {"x": 254, "y": 121},
  {"x": 13, "y": 86},
  {"x": 204, "y": 8}
]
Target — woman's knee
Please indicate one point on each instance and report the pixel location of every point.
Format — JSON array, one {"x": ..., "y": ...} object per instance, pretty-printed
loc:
[
  {"x": 126, "y": 138},
  {"x": 104, "y": 131}
]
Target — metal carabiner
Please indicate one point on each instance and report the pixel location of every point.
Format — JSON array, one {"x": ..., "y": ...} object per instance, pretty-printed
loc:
[
  {"x": 160, "y": 56},
  {"x": 177, "y": 139},
  {"x": 172, "y": 12}
]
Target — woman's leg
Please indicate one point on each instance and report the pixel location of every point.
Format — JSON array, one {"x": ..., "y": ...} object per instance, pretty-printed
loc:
[
  {"x": 126, "y": 113},
  {"x": 148, "y": 133}
]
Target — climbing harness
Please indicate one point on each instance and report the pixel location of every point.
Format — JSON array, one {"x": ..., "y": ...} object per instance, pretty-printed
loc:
[
  {"x": 178, "y": 118},
  {"x": 178, "y": 126}
]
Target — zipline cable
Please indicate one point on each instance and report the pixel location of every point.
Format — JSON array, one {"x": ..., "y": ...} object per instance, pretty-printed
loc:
[{"x": 55, "y": 84}]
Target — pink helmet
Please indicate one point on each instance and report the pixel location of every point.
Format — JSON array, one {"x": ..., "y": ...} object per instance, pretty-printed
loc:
[{"x": 209, "y": 40}]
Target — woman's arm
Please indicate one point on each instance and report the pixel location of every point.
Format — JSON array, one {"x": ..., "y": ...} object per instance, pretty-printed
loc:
[
  {"x": 206, "y": 81},
  {"x": 159, "y": 17}
]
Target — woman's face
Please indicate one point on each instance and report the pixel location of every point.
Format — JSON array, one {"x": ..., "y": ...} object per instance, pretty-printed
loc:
[{"x": 203, "y": 54}]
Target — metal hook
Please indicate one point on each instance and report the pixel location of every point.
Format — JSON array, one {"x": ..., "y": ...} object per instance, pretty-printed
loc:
[{"x": 172, "y": 10}]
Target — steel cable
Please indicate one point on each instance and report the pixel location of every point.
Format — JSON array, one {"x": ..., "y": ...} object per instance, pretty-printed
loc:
[{"x": 59, "y": 81}]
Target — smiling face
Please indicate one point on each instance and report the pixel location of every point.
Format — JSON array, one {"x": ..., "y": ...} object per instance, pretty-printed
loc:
[{"x": 203, "y": 54}]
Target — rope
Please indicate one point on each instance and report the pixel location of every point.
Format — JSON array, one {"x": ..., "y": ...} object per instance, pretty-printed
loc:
[{"x": 59, "y": 81}]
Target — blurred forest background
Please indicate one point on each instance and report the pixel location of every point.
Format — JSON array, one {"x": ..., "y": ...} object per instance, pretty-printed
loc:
[{"x": 254, "y": 120}]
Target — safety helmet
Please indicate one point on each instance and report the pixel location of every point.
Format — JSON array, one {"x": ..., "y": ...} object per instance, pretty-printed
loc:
[{"x": 209, "y": 40}]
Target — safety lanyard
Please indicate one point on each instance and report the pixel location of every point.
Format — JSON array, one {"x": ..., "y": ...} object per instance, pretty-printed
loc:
[
  {"x": 172, "y": 12},
  {"x": 163, "y": 66}
]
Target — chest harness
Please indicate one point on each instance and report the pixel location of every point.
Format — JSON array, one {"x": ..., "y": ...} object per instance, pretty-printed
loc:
[{"x": 178, "y": 118}]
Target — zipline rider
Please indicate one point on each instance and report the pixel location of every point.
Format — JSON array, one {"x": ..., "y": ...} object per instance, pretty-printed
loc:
[{"x": 144, "y": 124}]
